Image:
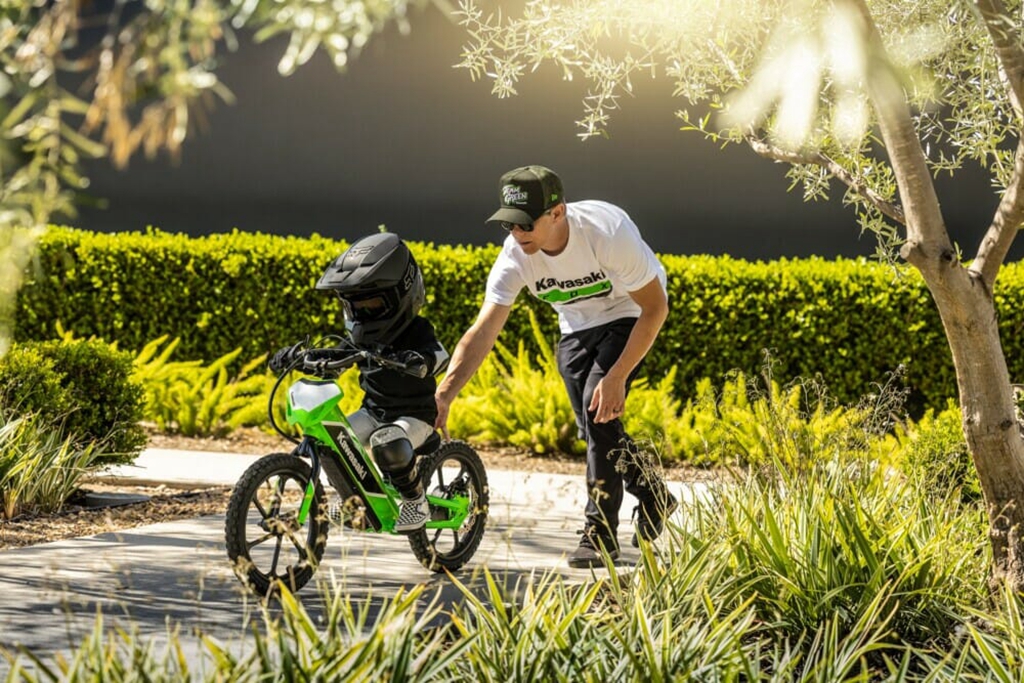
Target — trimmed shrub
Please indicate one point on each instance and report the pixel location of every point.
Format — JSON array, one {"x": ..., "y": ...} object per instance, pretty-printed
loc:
[
  {"x": 29, "y": 381},
  {"x": 84, "y": 387},
  {"x": 216, "y": 294},
  {"x": 848, "y": 322}
]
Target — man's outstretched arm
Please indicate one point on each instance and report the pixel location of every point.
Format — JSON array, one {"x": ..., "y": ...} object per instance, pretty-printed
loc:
[{"x": 469, "y": 354}]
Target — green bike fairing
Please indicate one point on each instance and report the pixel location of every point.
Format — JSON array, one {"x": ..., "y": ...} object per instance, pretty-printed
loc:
[{"x": 312, "y": 406}]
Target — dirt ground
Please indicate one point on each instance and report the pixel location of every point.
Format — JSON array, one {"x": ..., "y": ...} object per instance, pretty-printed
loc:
[
  {"x": 167, "y": 503},
  {"x": 76, "y": 519}
]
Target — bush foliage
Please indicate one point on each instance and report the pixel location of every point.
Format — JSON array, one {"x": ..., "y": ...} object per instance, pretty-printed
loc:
[
  {"x": 194, "y": 399},
  {"x": 81, "y": 387},
  {"x": 850, "y": 322},
  {"x": 934, "y": 452}
]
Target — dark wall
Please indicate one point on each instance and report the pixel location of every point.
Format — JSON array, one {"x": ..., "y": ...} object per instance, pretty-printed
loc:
[{"x": 405, "y": 140}]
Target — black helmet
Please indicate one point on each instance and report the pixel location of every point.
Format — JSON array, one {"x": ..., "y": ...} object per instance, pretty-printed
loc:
[{"x": 380, "y": 285}]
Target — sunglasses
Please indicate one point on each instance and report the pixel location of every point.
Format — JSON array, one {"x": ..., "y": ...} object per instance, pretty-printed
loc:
[{"x": 509, "y": 227}]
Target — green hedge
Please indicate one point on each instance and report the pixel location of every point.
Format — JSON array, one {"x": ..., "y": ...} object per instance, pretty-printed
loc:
[
  {"x": 851, "y": 322},
  {"x": 220, "y": 292},
  {"x": 82, "y": 387}
]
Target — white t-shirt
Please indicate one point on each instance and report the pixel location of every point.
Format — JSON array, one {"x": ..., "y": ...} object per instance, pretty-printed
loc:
[{"x": 588, "y": 283}]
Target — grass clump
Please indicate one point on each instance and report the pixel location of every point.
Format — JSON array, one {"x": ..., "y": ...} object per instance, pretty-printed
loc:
[
  {"x": 842, "y": 569},
  {"x": 39, "y": 466},
  {"x": 841, "y": 542}
]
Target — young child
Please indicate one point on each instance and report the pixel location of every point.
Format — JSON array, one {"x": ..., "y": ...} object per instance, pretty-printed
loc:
[{"x": 381, "y": 289}]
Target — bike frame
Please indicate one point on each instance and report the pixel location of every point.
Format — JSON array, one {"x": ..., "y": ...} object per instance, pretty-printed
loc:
[{"x": 332, "y": 446}]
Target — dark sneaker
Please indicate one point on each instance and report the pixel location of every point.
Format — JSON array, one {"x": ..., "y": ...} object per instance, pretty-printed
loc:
[
  {"x": 412, "y": 515},
  {"x": 649, "y": 517},
  {"x": 589, "y": 554}
]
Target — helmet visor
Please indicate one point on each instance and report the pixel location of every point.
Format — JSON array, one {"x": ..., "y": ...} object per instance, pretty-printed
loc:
[{"x": 366, "y": 309}]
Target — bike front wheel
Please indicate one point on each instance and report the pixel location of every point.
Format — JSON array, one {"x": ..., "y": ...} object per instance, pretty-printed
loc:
[
  {"x": 453, "y": 471},
  {"x": 266, "y": 541}
]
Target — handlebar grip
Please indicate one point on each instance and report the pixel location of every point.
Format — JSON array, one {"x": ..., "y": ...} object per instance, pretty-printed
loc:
[{"x": 419, "y": 371}]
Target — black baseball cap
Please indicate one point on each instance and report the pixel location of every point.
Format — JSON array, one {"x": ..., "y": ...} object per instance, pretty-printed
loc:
[{"x": 526, "y": 193}]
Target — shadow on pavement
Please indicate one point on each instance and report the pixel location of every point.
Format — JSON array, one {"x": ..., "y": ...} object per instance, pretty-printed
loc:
[{"x": 176, "y": 575}]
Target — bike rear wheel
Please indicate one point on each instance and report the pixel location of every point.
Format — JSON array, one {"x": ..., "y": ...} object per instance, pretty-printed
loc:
[
  {"x": 454, "y": 469},
  {"x": 265, "y": 541}
]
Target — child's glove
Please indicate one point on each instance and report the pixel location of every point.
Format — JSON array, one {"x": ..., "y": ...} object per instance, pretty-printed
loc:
[
  {"x": 415, "y": 364},
  {"x": 284, "y": 358}
]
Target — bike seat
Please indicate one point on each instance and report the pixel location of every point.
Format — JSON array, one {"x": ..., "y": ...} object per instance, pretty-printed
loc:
[{"x": 430, "y": 445}]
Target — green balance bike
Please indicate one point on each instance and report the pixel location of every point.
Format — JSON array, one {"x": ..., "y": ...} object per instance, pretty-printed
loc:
[{"x": 278, "y": 515}]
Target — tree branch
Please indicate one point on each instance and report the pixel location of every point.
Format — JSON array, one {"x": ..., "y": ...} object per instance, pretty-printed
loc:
[
  {"x": 1008, "y": 48},
  {"x": 1009, "y": 214},
  {"x": 928, "y": 242},
  {"x": 856, "y": 184},
  {"x": 1008, "y": 219}
]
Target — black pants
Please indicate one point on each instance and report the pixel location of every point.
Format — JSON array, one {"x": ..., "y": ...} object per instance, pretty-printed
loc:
[{"x": 612, "y": 463}]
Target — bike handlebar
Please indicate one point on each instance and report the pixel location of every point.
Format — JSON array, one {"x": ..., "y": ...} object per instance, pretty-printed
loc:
[
  {"x": 319, "y": 362},
  {"x": 327, "y": 363}
]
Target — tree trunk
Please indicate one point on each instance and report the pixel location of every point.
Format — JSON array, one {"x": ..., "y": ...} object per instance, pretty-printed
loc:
[
  {"x": 967, "y": 309},
  {"x": 968, "y": 316}
]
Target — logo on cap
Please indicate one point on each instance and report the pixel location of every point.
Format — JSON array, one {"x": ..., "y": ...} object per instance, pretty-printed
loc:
[{"x": 513, "y": 194}]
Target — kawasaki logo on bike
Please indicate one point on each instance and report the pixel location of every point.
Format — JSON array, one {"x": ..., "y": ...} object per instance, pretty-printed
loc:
[
  {"x": 564, "y": 291},
  {"x": 353, "y": 459}
]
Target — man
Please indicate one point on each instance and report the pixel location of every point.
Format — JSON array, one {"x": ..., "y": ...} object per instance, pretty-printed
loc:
[{"x": 588, "y": 260}]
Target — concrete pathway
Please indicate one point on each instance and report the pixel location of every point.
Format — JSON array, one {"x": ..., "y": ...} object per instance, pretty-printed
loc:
[{"x": 177, "y": 573}]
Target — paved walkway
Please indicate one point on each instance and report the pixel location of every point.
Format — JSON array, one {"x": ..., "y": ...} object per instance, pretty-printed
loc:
[{"x": 178, "y": 572}]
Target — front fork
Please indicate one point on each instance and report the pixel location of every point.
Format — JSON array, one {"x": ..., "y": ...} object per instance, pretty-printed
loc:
[{"x": 306, "y": 449}]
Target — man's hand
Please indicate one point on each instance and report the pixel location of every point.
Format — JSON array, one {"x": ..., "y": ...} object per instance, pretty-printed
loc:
[
  {"x": 443, "y": 406},
  {"x": 609, "y": 399}
]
